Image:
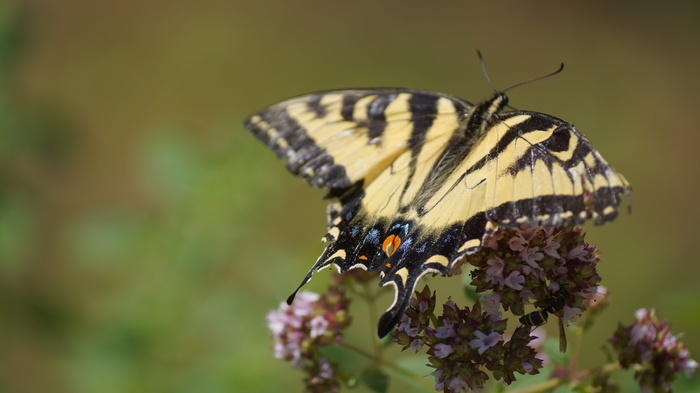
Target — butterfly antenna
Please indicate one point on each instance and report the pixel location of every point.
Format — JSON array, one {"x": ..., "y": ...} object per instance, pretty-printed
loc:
[
  {"x": 561, "y": 67},
  {"x": 483, "y": 70}
]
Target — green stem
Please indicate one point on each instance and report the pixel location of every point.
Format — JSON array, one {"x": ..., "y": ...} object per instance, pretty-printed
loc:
[
  {"x": 357, "y": 349},
  {"x": 554, "y": 382},
  {"x": 392, "y": 369},
  {"x": 578, "y": 344},
  {"x": 606, "y": 368},
  {"x": 399, "y": 372},
  {"x": 434, "y": 319},
  {"x": 539, "y": 387},
  {"x": 371, "y": 297}
]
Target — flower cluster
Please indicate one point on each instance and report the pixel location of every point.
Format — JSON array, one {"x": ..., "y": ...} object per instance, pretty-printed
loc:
[
  {"x": 463, "y": 343},
  {"x": 300, "y": 329},
  {"x": 655, "y": 353},
  {"x": 552, "y": 268},
  {"x": 530, "y": 263}
]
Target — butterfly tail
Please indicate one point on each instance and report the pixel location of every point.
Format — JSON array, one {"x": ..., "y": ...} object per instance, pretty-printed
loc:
[
  {"x": 306, "y": 279},
  {"x": 402, "y": 298},
  {"x": 321, "y": 263}
]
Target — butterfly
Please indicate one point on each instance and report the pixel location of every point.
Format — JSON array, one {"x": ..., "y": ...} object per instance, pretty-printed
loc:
[{"x": 417, "y": 179}]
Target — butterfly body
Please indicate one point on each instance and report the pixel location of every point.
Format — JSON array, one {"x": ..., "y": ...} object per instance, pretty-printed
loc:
[{"x": 417, "y": 179}]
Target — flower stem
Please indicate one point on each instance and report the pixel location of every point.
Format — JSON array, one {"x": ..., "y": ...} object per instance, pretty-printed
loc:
[
  {"x": 391, "y": 368},
  {"x": 554, "y": 382},
  {"x": 357, "y": 349},
  {"x": 371, "y": 304},
  {"x": 399, "y": 372},
  {"x": 606, "y": 368},
  {"x": 539, "y": 387}
]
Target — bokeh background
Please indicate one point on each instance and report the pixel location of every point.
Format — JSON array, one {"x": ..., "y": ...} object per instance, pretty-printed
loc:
[{"x": 144, "y": 234}]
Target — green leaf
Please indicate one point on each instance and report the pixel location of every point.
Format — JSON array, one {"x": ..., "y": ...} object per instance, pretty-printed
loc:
[
  {"x": 469, "y": 289},
  {"x": 569, "y": 389},
  {"x": 412, "y": 370},
  {"x": 387, "y": 341},
  {"x": 523, "y": 381},
  {"x": 376, "y": 380},
  {"x": 415, "y": 365},
  {"x": 346, "y": 358},
  {"x": 551, "y": 348}
]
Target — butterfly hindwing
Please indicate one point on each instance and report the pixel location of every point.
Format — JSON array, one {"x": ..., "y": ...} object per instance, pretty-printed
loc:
[
  {"x": 418, "y": 179},
  {"x": 544, "y": 171}
]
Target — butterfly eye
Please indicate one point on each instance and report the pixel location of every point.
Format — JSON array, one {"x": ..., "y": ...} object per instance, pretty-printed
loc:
[{"x": 559, "y": 141}]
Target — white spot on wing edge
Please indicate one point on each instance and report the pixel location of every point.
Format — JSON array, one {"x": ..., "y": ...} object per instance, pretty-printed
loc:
[
  {"x": 396, "y": 287},
  {"x": 338, "y": 254},
  {"x": 334, "y": 232},
  {"x": 403, "y": 273},
  {"x": 470, "y": 244},
  {"x": 566, "y": 214},
  {"x": 439, "y": 259},
  {"x": 358, "y": 266}
]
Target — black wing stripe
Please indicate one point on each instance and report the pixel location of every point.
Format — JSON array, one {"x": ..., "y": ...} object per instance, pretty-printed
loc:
[
  {"x": 423, "y": 113},
  {"x": 314, "y": 105},
  {"x": 376, "y": 118},
  {"x": 348, "y": 107},
  {"x": 290, "y": 142}
]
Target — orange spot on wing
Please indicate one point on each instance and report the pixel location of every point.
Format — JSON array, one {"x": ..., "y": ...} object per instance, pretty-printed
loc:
[
  {"x": 391, "y": 243},
  {"x": 363, "y": 257}
]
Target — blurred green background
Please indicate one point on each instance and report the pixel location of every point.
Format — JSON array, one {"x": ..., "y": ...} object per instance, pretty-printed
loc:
[{"x": 144, "y": 234}]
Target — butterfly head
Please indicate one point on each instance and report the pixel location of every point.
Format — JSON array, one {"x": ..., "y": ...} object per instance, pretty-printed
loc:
[
  {"x": 494, "y": 104},
  {"x": 485, "y": 114}
]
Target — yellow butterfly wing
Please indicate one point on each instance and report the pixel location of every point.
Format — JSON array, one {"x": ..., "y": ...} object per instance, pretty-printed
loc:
[{"x": 418, "y": 179}]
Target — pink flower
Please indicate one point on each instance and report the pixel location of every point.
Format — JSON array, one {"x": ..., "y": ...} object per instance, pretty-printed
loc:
[
  {"x": 492, "y": 240},
  {"x": 423, "y": 306},
  {"x": 325, "y": 369},
  {"x": 482, "y": 342},
  {"x": 407, "y": 328},
  {"x": 440, "y": 384},
  {"x": 442, "y": 350},
  {"x": 300, "y": 329},
  {"x": 466, "y": 344},
  {"x": 491, "y": 304},
  {"x": 417, "y": 344},
  {"x": 652, "y": 351},
  {"x": 458, "y": 384},
  {"x": 303, "y": 303},
  {"x": 551, "y": 248},
  {"x": 318, "y": 326},
  {"x": 494, "y": 273},
  {"x": 445, "y": 331},
  {"x": 689, "y": 366},
  {"x": 531, "y": 256},
  {"x": 515, "y": 280},
  {"x": 517, "y": 243},
  {"x": 578, "y": 253}
]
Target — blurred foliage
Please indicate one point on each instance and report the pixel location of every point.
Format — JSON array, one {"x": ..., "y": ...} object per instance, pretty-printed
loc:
[{"x": 143, "y": 234}]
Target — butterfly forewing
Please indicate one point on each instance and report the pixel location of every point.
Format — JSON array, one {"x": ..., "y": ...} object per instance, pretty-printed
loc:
[
  {"x": 334, "y": 139},
  {"x": 417, "y": 179}
]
